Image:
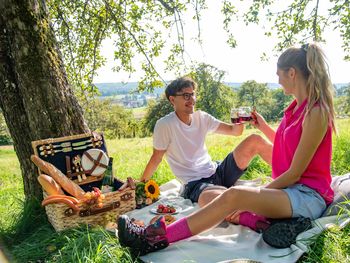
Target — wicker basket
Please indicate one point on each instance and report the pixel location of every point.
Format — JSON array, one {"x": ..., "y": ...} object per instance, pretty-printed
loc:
[
  {"x": 62, "y": 216},
  {"x": 115, "y": 203}
]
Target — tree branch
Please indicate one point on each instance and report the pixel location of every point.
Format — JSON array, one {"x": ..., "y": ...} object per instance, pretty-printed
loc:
[
  {"x": 314, "y": 25},
  {"x": 70, "y": 51},
  {"x": 134, "y": 38},
  {"x": 167, "y": 6}
]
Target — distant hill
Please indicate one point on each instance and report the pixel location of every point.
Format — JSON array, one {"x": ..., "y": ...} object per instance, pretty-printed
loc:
[
  {"x": 118, "y": 88},
  {"x": 236, "y": 85},
  {"x": 341, "y": 85}
]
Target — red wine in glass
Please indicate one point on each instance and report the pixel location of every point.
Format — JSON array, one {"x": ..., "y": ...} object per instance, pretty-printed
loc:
[
  {"x": 241, "y": 119},
  {"x": 241, "y": 114},
  {"x": 235, "y": 120}
]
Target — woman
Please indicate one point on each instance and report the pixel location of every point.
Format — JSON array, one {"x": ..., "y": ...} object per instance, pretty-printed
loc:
[{"x": 301, "y": 158}]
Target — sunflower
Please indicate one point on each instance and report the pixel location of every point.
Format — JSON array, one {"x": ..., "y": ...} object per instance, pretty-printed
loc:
[{"x": 152, "y": 189}]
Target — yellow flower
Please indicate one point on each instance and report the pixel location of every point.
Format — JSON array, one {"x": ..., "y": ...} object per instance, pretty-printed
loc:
[{"x": 152, "y": 189}]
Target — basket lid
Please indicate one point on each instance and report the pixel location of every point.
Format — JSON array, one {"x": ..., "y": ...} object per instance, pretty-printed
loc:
[{"x": 94, "y": 162}]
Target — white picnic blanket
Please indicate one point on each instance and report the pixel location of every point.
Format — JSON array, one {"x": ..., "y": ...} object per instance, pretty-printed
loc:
[{"x": 226, "y": 242}]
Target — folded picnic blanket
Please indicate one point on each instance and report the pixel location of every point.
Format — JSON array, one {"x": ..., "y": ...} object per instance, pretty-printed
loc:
[{"x": 227, "y": 242}]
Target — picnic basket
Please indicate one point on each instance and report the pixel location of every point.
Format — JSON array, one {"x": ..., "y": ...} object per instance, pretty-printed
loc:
[{"x": 59, "y": 152}]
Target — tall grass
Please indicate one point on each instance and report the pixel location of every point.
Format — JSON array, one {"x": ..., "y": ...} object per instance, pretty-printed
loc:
[
  {"x": 11, "y": 186},
  {"x": 30, "y": 238}
]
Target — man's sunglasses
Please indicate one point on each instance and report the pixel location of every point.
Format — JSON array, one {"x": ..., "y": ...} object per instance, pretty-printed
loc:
[{"x": 186, "y": 96}]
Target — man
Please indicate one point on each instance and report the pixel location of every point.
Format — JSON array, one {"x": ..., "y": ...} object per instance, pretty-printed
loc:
[{"x": 181, "y": 136}]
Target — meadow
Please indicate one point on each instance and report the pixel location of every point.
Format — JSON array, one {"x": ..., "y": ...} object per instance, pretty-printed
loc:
[{"x": 26, "y": 235}]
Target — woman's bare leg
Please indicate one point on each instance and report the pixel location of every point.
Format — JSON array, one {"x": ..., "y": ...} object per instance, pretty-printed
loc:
[
  {"x": 209, "y": 194},
  {"x": 271, "y": 203}
]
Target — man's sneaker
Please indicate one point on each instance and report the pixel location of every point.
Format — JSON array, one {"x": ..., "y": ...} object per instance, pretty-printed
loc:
[
  {"x": 142, "y": 240},
  {"x": 283, "y": 233}
]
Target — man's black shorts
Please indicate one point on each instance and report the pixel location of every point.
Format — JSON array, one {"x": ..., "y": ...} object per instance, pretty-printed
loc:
[{"x": 226, "y": 174}]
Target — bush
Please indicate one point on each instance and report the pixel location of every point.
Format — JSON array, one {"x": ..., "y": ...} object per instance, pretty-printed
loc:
[
  {"x": 5, "y": 140},
  {"x": 113, "y": 120},
  {"x": 155, "y": 111}
]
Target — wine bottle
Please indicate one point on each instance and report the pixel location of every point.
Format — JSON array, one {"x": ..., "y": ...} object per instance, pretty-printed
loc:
[{"x": 108, "y": 178}]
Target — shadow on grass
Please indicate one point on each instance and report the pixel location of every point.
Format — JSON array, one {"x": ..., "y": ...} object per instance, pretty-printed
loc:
[
  {"x": 315, "y": 250},
  {"x": 24, "y": 223},
  {"x": 30, "y": 238},
  {"x": 333, "y": 245}
]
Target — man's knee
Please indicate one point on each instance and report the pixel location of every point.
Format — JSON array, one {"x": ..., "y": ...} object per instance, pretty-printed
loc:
[
  {"x": 209, "y": 194},
  {"x": 255, "y": 140},
  {"x": 247, "y": 149},
  {"x": 251, "y": 144}
]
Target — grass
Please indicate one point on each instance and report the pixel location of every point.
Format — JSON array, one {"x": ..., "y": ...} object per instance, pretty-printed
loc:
[
  {"x": 140, "y": 112},
  {"x": 11, "y": 185},
  {"x": 29, "y": 237}
]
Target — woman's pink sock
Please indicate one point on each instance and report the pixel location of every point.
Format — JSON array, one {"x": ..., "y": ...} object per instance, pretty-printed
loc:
[
  {"x": 251, "y": 220},
  {"x": 178, "y": 230}
]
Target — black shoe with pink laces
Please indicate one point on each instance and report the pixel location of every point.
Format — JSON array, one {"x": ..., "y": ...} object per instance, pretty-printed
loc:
[
  {"x": 282, "y": 233},
  {"x": 142, "y": 240}
]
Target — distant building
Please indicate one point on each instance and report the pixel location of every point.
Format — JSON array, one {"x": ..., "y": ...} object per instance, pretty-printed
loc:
[{"x": 136, "y": 101}]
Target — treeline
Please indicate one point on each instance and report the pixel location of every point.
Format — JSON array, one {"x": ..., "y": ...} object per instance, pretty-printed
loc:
[{"x": 213, "y": 96}]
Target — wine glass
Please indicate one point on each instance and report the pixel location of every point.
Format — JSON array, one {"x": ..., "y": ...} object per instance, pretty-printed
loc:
[
  {"x": 241, "y": 114},
  {"x": 234, "y": 114}
]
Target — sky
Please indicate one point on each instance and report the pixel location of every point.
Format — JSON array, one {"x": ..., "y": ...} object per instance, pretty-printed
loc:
[{"x": 242, "y": 63}]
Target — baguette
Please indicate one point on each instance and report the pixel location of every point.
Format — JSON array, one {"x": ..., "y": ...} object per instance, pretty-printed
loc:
[
  {"x": 50, "y": 185},
  {"x": 61, "y": 200},
  {"x": 69, "y": 186}
]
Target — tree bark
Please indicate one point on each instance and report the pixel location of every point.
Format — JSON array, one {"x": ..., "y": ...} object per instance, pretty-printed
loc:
[{"x": 35, "y": 96}]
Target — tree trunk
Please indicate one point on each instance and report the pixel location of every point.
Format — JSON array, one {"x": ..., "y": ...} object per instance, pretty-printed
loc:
[{"x": 35, "y": 97}]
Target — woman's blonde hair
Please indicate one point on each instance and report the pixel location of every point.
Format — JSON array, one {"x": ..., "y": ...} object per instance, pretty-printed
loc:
[{"x": 310, "y": 60}]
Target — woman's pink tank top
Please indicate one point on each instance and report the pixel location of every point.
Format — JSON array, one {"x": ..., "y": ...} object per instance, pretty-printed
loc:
[{"x": 317, "y": 174}]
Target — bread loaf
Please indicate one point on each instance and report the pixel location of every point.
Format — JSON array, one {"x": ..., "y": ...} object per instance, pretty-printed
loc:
[
  {"x": 69, "y": 186},
  {"x": 50, "y": 185}
]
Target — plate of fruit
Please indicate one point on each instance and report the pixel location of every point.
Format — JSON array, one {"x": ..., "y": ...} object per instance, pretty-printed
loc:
[{"x": 162, "y": 209}]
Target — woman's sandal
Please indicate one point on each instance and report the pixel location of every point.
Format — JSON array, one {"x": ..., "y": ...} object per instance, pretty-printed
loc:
[{"x": 283, "y": 233}]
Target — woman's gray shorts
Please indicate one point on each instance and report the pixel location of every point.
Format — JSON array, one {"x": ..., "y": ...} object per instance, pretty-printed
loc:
[{"x": 305, "y": 201}]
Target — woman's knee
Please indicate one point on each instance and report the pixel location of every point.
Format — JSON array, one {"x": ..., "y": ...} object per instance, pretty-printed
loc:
[{"x": 231, "y": 195}]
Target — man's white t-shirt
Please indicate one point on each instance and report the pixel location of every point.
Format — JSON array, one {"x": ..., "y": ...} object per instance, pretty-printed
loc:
[{"x": 185, "y": 147}]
